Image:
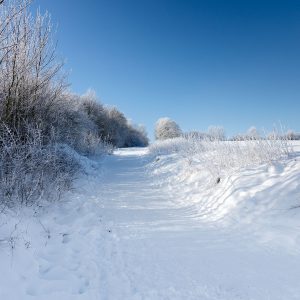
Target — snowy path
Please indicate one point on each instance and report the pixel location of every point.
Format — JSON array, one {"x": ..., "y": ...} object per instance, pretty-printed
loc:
[{"x": 126, "y": 238}]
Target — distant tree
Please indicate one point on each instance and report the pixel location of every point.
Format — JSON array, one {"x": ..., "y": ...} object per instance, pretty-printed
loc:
[
  {"x": 292, "y": 135},
  {"x": 252, "y": 133},
  {"x": 116, "y": 128},
  {"x": 216, "y": 133},
  {"x": 165, "y": 128},
  {"x": 136, "y": 137},
  {"x": 273, "y": 135},
  {"x": 197, "y": 135}
]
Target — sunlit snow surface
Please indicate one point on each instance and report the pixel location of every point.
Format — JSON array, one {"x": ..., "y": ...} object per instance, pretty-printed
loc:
[{"x": 142, "y": 227}]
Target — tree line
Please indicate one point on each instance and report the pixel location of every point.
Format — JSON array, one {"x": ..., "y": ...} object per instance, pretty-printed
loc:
[
  {"x": 166, "y": 128},
  {"x": 41, "y": 122}
]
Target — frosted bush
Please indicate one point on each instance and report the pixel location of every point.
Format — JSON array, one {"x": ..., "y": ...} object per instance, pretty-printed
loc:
[
  {"x": 32, "y": 171},
  {"x": 169, "y": 146},
  {"x": 218, "y": 157}
]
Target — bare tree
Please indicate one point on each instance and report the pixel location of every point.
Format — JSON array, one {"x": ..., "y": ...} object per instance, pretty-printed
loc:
[{"x": 28, "y": 66}]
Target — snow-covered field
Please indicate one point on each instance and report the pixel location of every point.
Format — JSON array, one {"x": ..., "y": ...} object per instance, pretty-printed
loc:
[{"x": 142, "y": 226}]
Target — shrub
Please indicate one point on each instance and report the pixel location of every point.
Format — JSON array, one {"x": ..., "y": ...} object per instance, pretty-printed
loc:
[
  {"x": 31, "y": 171},
  {"x": 219, "y": 157}
]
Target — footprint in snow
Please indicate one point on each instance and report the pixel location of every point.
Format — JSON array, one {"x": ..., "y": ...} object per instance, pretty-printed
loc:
[
  {"x": 84, "y": 285},
  {"x": 66, "y": 238}
]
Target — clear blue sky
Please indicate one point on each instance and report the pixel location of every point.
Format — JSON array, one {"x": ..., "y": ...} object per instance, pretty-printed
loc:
[{"x": 230, "y": 63}]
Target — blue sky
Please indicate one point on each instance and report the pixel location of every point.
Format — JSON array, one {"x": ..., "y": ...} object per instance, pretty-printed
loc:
[{"x": 201, "y": 63}]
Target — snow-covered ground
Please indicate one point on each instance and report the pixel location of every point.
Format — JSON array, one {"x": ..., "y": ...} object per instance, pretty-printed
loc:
[{"x": 143, "y": 227}]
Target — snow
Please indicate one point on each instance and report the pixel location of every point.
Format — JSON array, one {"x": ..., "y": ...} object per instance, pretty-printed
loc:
[{"x": 139, "y": 227}]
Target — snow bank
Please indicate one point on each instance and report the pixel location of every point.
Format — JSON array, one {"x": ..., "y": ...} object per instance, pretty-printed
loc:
[
  {"x": 230, "y": 180},
  {"x": 46, "y": 249}
]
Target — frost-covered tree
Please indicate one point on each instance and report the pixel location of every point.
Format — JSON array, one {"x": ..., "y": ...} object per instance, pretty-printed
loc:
[
  {"x": 165, "y": 128},
  {"x": 137, "y": 136},
  {"x": 195, "y": 135},
  {"x": 29, "y": 72},
  {"x": 216, "y": 133},
  {"x": 292, "y": 135},
  {"x": 252, "y": 133}
]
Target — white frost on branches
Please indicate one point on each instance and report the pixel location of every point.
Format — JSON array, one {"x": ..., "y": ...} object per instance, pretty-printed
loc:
[{"x": 165, "y": 128}]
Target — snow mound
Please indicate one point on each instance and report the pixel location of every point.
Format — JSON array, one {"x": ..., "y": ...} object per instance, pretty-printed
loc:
[{"x": 235, "y": 193}]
